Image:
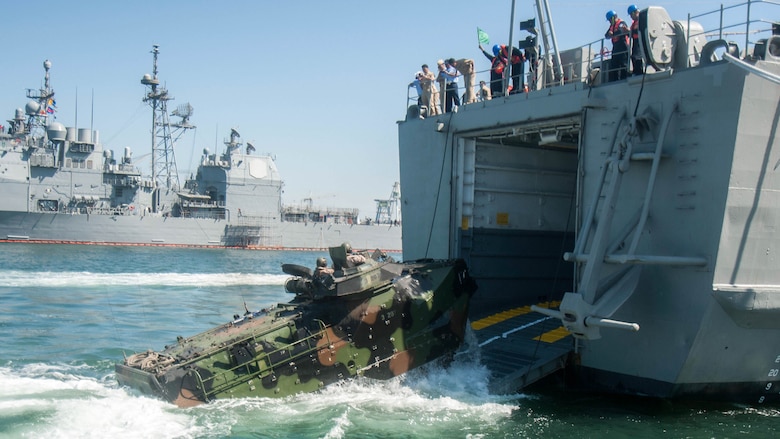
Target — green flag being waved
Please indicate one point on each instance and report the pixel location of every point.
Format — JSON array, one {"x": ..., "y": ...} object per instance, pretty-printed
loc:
[{"x": 482, "y": 36}]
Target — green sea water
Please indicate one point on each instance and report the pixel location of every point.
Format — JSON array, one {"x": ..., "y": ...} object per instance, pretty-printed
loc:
[{"x": 68, "y": 313}]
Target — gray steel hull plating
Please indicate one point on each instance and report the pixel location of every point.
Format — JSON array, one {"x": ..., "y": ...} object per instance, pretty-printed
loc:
[
  {"x": 688, "y": 233},
  {"x": 158, "y": 230}
]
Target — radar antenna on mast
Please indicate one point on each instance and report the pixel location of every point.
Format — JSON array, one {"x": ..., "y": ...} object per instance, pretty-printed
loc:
[
  {"x": 232, "y": 145},
  {"x": 39, "y": 110},
  {"x": 184, "y": 111},
  {"x": 164, "y": 133}
]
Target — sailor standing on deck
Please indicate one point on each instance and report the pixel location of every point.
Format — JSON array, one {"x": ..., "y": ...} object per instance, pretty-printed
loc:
[
  {"x": 497, "y": 66},
  {"x": 636, "y": 52},
  {"x": 484, "y": 92},
  {"x": 441, "y": 79},
  {"x": 618, "y": 33},
  {"x": 517, "y": 64},
  {"x": 450, "y": 75},
  {"x": 430, "y": 94},
  {"x": 466, "y": 68}
]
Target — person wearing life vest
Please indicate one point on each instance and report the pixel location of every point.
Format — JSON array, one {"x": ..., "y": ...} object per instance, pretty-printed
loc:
[
  {"x": 618, "y": 32},
  {"x": 497, "y": 65},
  {"x": 636, "y": 51},
  {"x": 517, "y": 65}
]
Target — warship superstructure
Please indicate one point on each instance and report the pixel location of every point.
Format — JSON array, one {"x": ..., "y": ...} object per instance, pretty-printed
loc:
[
  {"x": 59, "y": 185},
  {"x": 625, "y": 232}
]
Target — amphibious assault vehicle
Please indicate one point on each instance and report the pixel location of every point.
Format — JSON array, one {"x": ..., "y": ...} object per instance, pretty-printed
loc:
[{"x": 378, "y": 319}]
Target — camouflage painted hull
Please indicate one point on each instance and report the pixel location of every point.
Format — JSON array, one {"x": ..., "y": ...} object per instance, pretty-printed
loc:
[{"x": 378, "y": 320}]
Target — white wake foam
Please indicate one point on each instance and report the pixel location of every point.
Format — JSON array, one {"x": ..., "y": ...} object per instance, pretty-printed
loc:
[{"x": 64, "y": 403}]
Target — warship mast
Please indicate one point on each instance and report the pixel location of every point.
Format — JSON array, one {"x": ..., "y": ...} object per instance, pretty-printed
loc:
[
  {"x": 164, "y": 171},
  {"x": 552, "y": 57},
  {"x": 37, "y": 110}
]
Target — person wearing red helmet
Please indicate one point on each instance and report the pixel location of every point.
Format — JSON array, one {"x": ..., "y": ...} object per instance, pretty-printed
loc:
[{"x": 618, "y": 32}]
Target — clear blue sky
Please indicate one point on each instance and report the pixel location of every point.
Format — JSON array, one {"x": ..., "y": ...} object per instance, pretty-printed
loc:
[{"x": 320, "y": 84}]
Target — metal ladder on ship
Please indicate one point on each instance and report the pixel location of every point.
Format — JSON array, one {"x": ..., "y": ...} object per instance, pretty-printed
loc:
[{"x": 589, "y": 308}]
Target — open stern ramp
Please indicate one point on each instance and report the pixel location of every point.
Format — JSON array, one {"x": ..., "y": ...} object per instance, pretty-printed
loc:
[{"x": 520, "y": 346}]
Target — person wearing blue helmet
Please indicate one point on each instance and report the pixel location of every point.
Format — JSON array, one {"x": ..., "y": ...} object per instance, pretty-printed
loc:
[
  {"x": 497, "y": 66},
  {"x": 637, "y": 65},
  {"x": 618, "y": 32}
]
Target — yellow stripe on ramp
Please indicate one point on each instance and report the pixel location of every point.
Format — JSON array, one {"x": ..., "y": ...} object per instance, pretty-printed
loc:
[
  {"x": 506, "y": 315},
  {"x": 554, "y": 335}
]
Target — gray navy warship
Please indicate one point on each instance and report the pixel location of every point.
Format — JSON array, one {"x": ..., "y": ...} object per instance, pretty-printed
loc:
[
  {"x": 624, "y": 232},
  {"x": 59, "y": 185}
]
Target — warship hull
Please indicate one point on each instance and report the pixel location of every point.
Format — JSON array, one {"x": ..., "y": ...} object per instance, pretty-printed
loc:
[
  {"x": 151, "y": 230},
  {"x": 640, "y": 215}
]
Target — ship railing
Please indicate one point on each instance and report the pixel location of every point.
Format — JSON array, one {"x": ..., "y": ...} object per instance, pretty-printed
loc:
[
  {"x": 719, "y": 24},
  {"x": 736, "y": 20},
  {"x": 535, "y": 77},
  {"x": 325, "y": 215},
  {"x": 581, "y": 64},
  {"x": 202, "y": 204},
  {"x": 413, "y": 98},
  {"x": 590, "y": 63},
  {"x": 118, "y": 211},
  {"x": 203, "y": 214},
  {"x": 331, "y": 211},
  {"x": 83, "y": 210},
  {"x": 262, "y": 364}
]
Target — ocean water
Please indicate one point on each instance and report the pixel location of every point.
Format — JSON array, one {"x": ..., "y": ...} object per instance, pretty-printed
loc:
[{"x": 68, "y": 313}]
